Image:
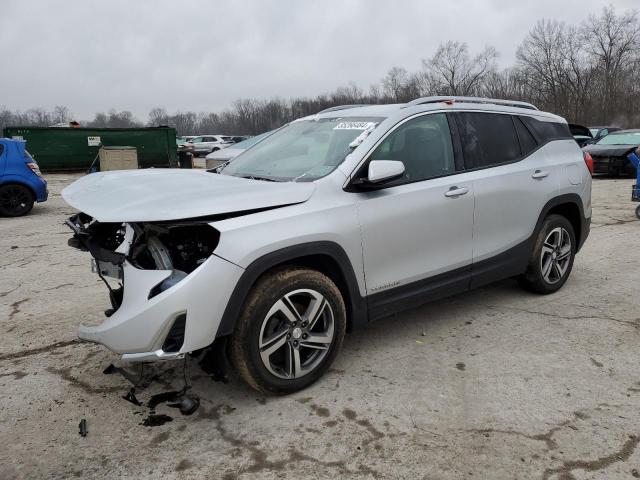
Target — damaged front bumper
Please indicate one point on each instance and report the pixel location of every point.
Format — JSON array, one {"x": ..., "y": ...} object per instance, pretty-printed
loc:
[{"x": 156, "y": 313}]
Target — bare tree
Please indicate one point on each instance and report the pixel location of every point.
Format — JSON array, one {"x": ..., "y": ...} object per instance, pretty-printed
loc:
[
  {"x": 158, "y": 116},
  {"x": 613, "y": 42},
  {"x": 60, "y": 114},
  {"x": 394, "y": 82},
  {"x": 451, "y": 71}
]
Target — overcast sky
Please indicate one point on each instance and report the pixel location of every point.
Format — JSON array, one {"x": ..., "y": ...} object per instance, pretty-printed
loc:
[{"x": 202, "y": 55}]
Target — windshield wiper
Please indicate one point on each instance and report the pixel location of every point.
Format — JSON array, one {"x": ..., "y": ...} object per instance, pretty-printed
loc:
[{"x": 255, "y": 177}]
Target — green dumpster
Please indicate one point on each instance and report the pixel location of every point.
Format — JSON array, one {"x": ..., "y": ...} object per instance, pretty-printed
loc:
[{"x": 60, "y": 148}]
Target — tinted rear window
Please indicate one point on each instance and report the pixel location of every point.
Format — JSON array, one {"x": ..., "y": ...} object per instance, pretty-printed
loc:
[
  {"x": 487, "y": 139},
  {"x": 527, "y": 143},
  {"x": 547, "y": 131}
]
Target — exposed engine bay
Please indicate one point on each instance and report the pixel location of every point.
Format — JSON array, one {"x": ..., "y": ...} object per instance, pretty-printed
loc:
[{"x": 176, "y": 246}]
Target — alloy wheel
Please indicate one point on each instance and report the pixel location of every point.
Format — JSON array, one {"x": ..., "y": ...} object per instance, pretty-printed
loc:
[
  {"x": 556, "y": 255},
  {"x": 296, "y": 334}
]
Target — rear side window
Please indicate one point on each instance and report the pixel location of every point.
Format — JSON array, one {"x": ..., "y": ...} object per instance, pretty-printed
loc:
[
  {"x": 487, "y": 139},
  {"x": 527, "y": 143},
  {"x": 546, "y": 131}
]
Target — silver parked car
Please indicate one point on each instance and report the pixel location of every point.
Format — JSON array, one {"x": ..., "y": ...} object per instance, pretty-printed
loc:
[
  {"x": 334, "y": 221},
  {"x": 205, "y": 144}
]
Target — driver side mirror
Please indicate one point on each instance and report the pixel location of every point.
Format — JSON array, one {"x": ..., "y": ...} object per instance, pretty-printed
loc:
[{"x": 383, "y": 170}]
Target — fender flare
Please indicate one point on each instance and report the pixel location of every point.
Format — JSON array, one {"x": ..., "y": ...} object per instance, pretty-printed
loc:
[
  {"x": 356, "y": 304},
  {"x": 567, "y": 198}
]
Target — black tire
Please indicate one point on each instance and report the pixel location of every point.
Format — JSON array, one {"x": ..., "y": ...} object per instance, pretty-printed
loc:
[
  {"x": 534, "y": 279},
  {"x": 214, "y": 149},
  {"x": 244, "y": 348},
  {"x": 15, "y": 200},
  {"x": 638, "y": 211}
]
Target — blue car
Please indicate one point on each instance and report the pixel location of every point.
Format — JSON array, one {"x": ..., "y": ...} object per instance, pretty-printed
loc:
[{"x": 21, "y": 184}]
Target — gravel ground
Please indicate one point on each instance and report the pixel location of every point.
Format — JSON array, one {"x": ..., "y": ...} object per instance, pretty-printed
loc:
[{"x": 497, "y": 383}]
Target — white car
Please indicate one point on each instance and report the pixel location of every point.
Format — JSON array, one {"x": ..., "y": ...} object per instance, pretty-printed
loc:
[
  {"x": 333, "y": 221},
  {"x": 205, "y": 144}
]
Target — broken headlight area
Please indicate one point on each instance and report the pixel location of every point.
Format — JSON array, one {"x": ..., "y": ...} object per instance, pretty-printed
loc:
[{"x": 178, "y": 247}]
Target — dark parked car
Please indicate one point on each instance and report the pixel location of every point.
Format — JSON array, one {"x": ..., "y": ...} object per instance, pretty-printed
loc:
[
  {"x": 610, "y": 153},
  {"x": 21, "y": 184},
  {"x": 581, "y": 134},
  {"x": 598, "y": 132}
]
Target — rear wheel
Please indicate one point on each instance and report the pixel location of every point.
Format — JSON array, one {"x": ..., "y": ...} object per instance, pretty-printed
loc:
[
  {"x": 15, "y": 200},
  {"x": 289, "y": 332},
  {"x": 552, "y": 257}
]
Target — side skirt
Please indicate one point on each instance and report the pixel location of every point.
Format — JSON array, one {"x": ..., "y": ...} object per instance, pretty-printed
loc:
[{"x": 504, "y": 265}]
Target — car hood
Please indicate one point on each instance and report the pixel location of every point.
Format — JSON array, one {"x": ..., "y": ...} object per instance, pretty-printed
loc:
[
  {"x": 172, "y": 194},
  {"x": 609, "y": 150}
]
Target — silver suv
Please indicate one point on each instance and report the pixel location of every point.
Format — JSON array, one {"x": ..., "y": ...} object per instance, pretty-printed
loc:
[{"x": 333, "y": 221}]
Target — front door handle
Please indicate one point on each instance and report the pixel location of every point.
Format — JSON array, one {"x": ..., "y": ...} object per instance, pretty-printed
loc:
[
  {"x": 456, "y": 191},
  {"x": 540, "y": 174}
]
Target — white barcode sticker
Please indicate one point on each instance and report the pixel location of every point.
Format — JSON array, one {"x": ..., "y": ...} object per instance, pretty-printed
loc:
[{"x": 354, "y": 126}]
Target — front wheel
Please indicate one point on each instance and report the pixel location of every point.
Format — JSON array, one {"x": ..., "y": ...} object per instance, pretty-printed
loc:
[
  {"x": 638, "y": 211},
  {"x": 15, "y": 200},
  {"x": 552, "y": 257},
  {"x": 289, "y": 332}
]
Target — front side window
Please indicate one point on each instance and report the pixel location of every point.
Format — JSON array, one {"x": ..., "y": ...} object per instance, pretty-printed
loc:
[
  {"x": 423, "y": 144},
  {"x": 304, "y": 150},
  {"x": 488, "y": 139}
]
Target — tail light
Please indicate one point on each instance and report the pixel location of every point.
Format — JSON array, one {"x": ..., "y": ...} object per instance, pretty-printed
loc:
[
  {"x": 589, "y": 161},
  {"x": 34, "y": 168}
]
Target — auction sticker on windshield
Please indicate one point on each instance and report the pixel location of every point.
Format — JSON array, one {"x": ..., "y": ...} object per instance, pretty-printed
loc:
[{"x": 354, "y": 126}]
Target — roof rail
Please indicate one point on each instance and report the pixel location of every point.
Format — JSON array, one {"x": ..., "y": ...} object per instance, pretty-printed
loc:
[
  {"x": 494, "y": 101},
  {"x": 341, "y": 107}
]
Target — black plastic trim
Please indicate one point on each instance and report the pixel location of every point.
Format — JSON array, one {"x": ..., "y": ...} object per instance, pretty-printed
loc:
[
  {"x": 175, "y": 338},
  {"x": 356, "y": 308},
  {"x": 414, "y": 294}
]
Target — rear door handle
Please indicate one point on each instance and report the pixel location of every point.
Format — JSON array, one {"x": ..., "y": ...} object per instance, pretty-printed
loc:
[
  {"x": 456, "y": 191},
  {"x": 540, "y": 174}
]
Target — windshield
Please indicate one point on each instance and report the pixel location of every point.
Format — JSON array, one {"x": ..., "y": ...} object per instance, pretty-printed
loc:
[
  {"x": 304, "y": 150},
  {"x": 632, "y": 138},
  {"x": 250, "y": 142}
]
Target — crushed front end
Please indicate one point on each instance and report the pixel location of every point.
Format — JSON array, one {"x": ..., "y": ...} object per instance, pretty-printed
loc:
[{"x": 168, "y": 290}]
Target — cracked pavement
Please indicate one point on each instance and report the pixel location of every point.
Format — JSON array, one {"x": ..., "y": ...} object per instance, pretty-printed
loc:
[{"x": 498, "y": 383}]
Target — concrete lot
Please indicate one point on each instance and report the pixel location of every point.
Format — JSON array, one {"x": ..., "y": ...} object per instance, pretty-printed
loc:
[{"x": 498, "y": 383}]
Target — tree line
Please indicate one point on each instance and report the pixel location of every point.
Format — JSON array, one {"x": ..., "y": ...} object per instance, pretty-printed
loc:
[{"x": 588, "y": 73}]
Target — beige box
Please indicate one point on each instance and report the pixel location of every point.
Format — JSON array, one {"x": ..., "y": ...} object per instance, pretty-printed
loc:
[{"x": 118, "y": 158}]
